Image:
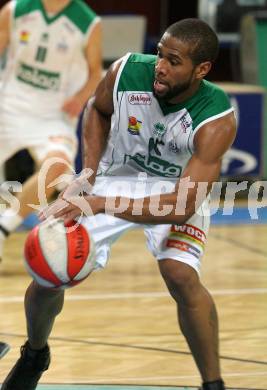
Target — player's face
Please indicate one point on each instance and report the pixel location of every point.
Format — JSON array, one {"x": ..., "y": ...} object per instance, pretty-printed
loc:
[{"x": 175, "y": 72}]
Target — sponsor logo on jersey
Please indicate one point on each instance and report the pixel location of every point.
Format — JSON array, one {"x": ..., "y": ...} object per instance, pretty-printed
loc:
[
  {"x": 173, "y": 147},
  {"x": 140, "y": 99},
  {"x": 185, "y": 122},
  {"x": 29, "y": 18},
  {"x": 44, "y": 37},
  {"x": 184, "y": 246},
  {"x": 24, "y": 36},
  {"x": 62, "y": 47},
  {"x": 159, "y": 129},
  {"x": 134, "y": 125},
  {"x": 190, "y": 232},
  {"x": 69, "y": 27},
  {"x": 38, "y": 78},
  {"x": 153, "y": 165}
]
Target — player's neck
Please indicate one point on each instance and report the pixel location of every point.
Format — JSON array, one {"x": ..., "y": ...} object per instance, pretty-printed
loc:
[
  {"x": 191, "y": 91},
  {"x": 52, "y": 6}
]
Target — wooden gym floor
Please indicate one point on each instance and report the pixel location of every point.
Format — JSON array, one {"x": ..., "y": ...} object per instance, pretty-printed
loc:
[{"x": 119, "y": 328}]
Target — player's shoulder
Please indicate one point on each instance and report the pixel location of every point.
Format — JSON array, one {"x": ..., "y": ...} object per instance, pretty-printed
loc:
[
  {"x": 212, "y": 96},
  {"x": 212, "y": 90},
  {"x": 136, "y": 72},
  {"x": 210, "y": 102},
  {"x": 23, "y": 7},
  {"x": 77, "y": 9},
  {"x": 138, "y": 64},
  {"x": 140, "y": 58},
  {"x": 5, "y": 10},
  {"x": 81, "y": 15},
  {"x": 82, "y": 7}
]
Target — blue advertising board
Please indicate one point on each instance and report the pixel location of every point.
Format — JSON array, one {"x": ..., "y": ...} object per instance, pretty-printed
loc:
[{"x": 245, "y": 158}]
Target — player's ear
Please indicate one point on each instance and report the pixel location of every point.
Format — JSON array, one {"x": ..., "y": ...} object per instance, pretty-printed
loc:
[{"x": 203, "y": 69}]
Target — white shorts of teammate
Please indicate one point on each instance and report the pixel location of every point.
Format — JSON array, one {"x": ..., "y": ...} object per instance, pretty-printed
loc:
[
  {"x": 40, "y": 138},
  {"x": 183, "y": 243}
]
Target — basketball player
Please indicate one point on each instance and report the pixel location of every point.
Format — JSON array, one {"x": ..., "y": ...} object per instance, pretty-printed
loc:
[
  {"x": 53, "y": 65},
  {"x": 173, "y": 127}
]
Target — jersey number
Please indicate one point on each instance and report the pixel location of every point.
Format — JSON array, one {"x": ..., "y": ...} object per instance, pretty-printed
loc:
[{"x": 41, "y": 54}]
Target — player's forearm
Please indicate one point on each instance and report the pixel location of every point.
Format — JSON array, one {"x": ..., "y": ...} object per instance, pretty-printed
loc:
[
  {"x": 89, "y": 87},
  {"x": 163, "y": 209},
  {"x": 3, "y": 43},
  {"x": 4, "y": 27},
  {"x": 94, "y": 138}
]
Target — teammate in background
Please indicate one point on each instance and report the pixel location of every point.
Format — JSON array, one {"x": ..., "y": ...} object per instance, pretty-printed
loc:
[
  {"x": 53, "y": 66},
  {"x": 174, "y": 127}
]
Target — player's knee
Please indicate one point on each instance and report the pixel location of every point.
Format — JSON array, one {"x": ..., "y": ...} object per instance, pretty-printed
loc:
[
  {"x": 58, "y": 170},
  {"x": 59, "y": 163},
  {"x": 179, "y": 277}
]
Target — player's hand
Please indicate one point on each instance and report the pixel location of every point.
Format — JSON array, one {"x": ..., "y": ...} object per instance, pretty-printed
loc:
[
  {"x": 73, "y": 106},
  {"x": 53, "y": 209},
  {"x": 73, "y": 208},
  {"x": 80, "y": 185},
  {"x": 71, "y": 201}
]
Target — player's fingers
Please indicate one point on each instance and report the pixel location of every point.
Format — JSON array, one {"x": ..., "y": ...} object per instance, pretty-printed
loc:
[
  {"x": 82, "y": 204},
  {"x": 72, "y": 215},
  {"x": 53, "y": 209},
  {"x": 61, "y": 213}
]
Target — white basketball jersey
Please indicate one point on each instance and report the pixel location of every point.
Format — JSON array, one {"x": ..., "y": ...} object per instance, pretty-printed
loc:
[
  {"x": 46, "y": 59},
  {"x": 148, "y": 134}
]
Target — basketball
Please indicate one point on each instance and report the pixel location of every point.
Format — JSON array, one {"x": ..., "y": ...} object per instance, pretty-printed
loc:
[{"x": 58, "y": 255}]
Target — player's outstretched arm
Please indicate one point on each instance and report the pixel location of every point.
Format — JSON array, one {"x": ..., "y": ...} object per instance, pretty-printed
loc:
[{"x": 5, "y": 13}]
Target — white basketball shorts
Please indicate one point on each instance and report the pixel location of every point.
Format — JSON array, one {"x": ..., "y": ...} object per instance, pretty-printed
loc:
[
  {"x": 39, "y": 137},
  {"x": 183, "y": 243}
]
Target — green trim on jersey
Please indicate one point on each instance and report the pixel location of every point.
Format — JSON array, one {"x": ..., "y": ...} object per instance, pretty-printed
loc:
[
  {"x": 138, "y": 73},
  {"x": 80, "y": 14},
  {"x": 208, "y": 101},
  {"x": 24, "y": 7},
  {"x": 77, "y": 11}
]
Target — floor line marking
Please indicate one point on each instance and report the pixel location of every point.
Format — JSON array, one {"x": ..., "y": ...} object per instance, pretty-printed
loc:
[
  {"x": 148, "y": 295},
  {"x": 141, "y": 379},
  {"x": 138, "y": 347}
]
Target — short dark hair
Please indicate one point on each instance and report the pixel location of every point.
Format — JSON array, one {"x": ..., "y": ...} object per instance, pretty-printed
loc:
[{"x": 200, "y": 36}]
